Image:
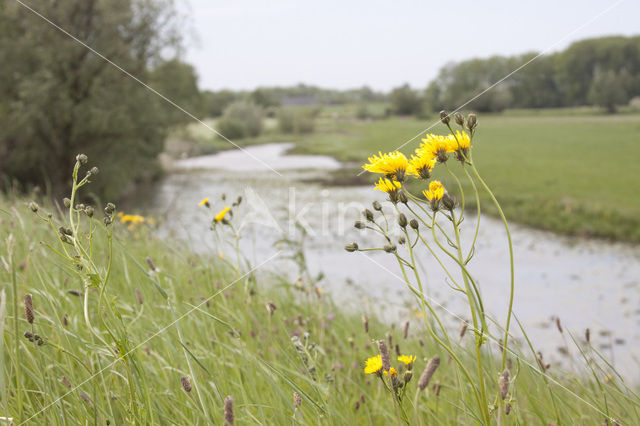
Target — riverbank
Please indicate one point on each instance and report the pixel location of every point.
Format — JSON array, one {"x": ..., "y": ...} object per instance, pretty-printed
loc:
[{"x": 573, "y": 172}]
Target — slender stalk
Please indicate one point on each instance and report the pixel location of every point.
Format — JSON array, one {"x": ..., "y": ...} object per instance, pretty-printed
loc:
[{"x": 16, "y": 330}]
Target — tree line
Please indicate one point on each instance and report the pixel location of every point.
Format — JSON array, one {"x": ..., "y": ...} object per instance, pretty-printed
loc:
[{"x": 57, "y": 98}]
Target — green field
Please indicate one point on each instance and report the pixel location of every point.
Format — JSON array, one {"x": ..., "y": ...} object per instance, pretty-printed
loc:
[{"x": 573, "y": 171}]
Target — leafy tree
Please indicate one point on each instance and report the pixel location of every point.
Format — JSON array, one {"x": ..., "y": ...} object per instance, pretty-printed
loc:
[
  {"x": 405, "y": 101},
  {"x": 607, "y": 90},
  {"x": 177, "y": 81},
  {"x": 58, "y": 99},
  {"x": 214, "y": 103}
]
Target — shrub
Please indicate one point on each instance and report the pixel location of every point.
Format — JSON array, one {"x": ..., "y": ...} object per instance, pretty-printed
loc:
[
  {"x": 296, "y": 120},
  {"x": 241, "y": 120}
]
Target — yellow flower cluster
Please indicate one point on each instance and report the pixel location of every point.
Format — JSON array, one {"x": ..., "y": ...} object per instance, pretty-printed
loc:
[
  {"x": 433, "y": 149},
  {"x": 134, "y": 220},
  {"x": 374, "y": 364},
  {"x": 221, "y": 214}
]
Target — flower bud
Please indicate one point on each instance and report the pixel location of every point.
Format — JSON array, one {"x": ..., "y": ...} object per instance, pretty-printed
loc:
[
  {"x": 472, "y": 122},
  {"x": 444, "y": 117},
  {"x": 34, "y": 206},
  {"x": 448, "y": 202},
  {"x": 109, "y": 208},
  {"x": 66, "y": 202},
  {"x": 351, "y": 247},
  {"x": 368, "y": 214},
  {"x": 401, "y": 240},
  {"x": 414, "y": 224},
  {"x": 402, "y": 196},
  {"x": 359, "y": 224},
  {"x": 82, "y": 159},
  {"x": 407, "y": 376},
  {"x": 458, "y": 118},
  {"x": 94, "y": 171},
  {"x": 402, "y": 220},
  {"x": 377, "y": 206},
  {"x": 89, "y": 211},
  {"x": 389, "y": 248}
]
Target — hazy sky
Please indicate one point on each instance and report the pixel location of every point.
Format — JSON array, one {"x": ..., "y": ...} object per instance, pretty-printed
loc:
[{"x": 243, "y": 44}]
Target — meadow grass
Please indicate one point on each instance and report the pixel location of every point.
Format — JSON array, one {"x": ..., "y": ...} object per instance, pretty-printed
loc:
[
  {"x": 127, "y": 340},
  {"x": 572, "y": 171}
]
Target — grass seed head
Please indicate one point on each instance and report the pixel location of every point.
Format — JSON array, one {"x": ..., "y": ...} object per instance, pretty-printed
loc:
[
  {"x": 428, "y": 372},
  {"x": 228, "y": 411},
  {"x": 28, "y": 308},
  {"x": 297, "y": 400},
  {"x": 503, "y": 384},
  {"x": 384, "y": 355},
  {"x": 186, "y": 384}
]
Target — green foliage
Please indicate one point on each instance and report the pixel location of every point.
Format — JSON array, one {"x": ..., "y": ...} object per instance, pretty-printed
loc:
[
  {"x": 607, "y": 90},
  {"x": 241, "y": 120},
  {"x": 57, "y": 98},
  {"x": 405, "y": 101},
  {"x": 214, "y": 103},
  {"x": 177, "y": 81},
  {"x": 296, "y": 120}
]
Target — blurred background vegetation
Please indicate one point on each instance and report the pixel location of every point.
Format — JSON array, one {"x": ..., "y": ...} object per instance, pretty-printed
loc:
[{"x": 57, "y": 98}]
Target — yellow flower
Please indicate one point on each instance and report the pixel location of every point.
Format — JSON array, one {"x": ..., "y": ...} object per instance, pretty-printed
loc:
[
  {"x": 204, "y": 202},
  {"x": 435, "y": 147},
  {"x": 460, "y": 138},
  {"x": 407, "y": 359},
  {"x": 132, "y": 219},
  {"x": 393, "y": 164},
  {"x": 388, "y": 185},
  {"x": 373, "y": 365},
  {"x": 221, "y": 214},
  {"x": 392, "y": 372},
  {"x": 435, "y": 192},
  {"x": 421, "y": 165}
]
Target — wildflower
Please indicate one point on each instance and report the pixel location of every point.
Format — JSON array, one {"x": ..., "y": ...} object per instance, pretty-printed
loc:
[
  {"x": 393, "y": 165},
  {"x": 389, "y": 186},
  {"x": 204, "y": 202},
  {"x": 434, "y": 194},
  {"x": 460, "y": 143},
  {"x": 435, "y": 147},
  {"x": 407, "y": 359},
  {"x": 133, "y": 220},
  {"x": 421, "y": 165},
  {"x": 221, "y": 214},
  {"x": 392, "y": 372},
  {"x": 373, "y": 365}
]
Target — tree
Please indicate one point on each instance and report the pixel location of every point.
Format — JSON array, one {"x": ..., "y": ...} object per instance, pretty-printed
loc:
[
  {"x": 177, "y": 81},
  {"x": 58, "y": 99},
  {"x": 607, "y": 90},
  {"x": 405, "y": 101},
  {"x": 241, "y": 120}
]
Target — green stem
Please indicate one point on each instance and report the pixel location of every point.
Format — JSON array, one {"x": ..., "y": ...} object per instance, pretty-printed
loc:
[
  {"x": 14, "y": 284},
  {"x": 511, "y": 264}
]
